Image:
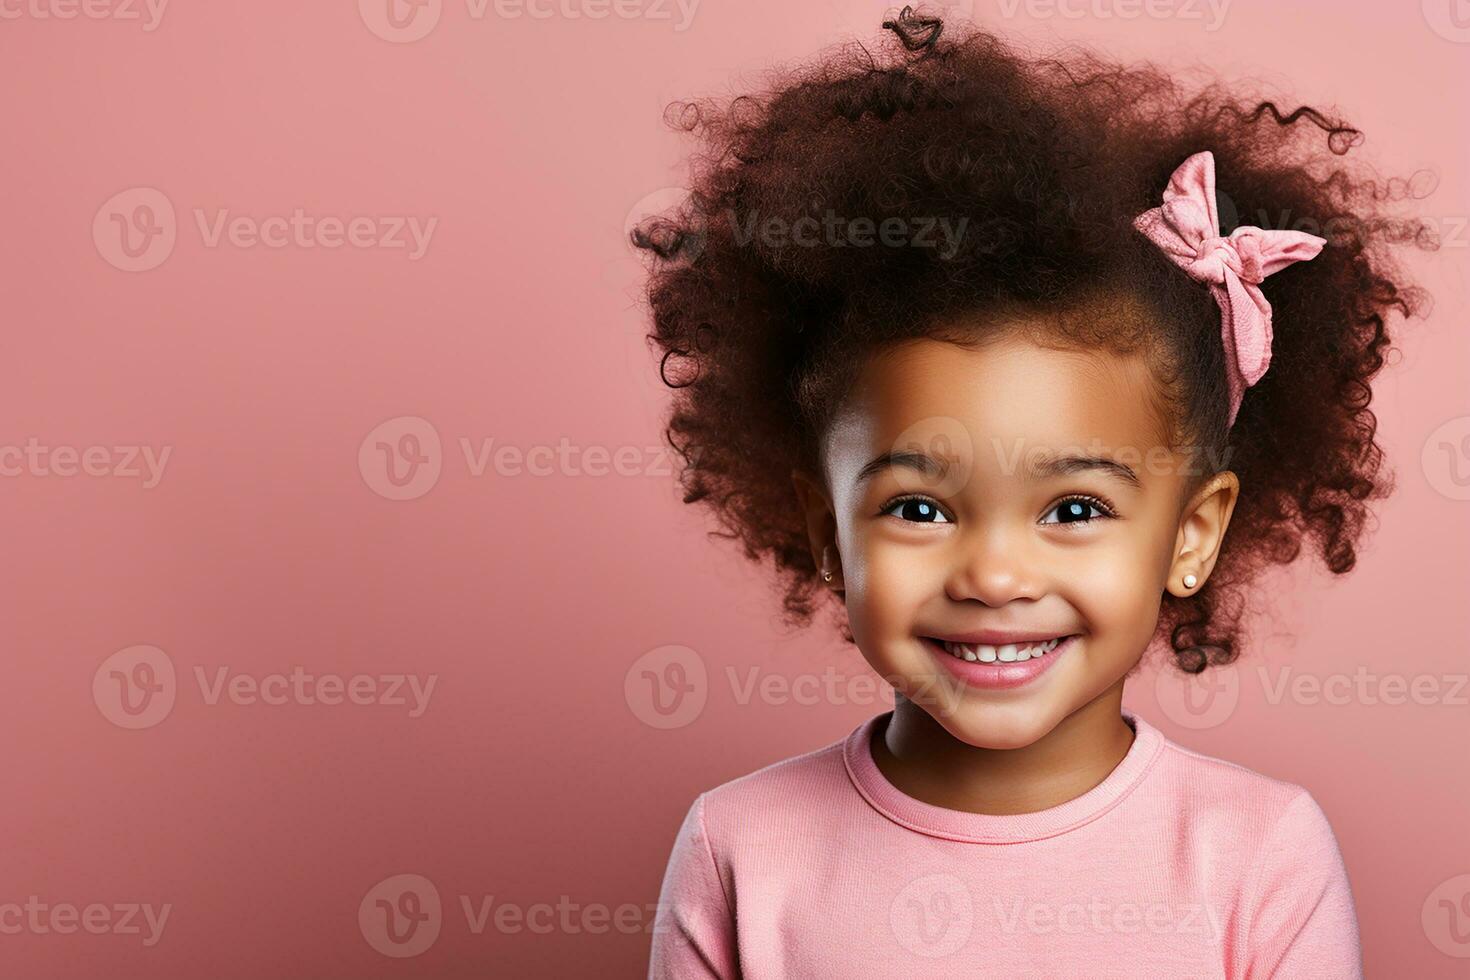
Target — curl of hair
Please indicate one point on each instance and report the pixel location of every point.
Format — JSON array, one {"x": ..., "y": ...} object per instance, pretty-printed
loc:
[{"x": 1049, "y": 159}]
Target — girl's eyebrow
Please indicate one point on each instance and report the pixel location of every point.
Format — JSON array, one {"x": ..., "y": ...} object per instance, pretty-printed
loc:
[
  {"x": 1042, "y": 468},
  {"x": 1067, "y": 464},
  {"x": 922, "y": 462}
]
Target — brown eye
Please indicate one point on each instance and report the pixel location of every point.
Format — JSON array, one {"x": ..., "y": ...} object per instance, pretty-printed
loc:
[
  {"x": 916, "y": 510},
  {"x": 1079, "y": 510}
]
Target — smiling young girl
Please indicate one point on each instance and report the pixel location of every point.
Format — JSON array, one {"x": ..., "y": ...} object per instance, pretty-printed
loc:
[{"x": 1135, "y": 377}]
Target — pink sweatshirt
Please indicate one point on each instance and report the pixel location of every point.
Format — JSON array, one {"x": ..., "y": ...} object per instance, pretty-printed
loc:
[{"x": 1175, "y": 865}]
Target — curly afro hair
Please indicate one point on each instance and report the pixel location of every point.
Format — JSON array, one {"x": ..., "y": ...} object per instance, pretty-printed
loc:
[{"x": 1048, "y": 159}]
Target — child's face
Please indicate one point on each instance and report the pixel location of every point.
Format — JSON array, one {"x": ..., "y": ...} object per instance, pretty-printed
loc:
[{"x": 990, "y": 545}]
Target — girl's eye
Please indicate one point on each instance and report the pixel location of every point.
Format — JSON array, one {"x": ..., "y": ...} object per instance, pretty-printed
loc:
[
  {"x": 1077, "y": 510},
  {"x": 917, "y": 510}
]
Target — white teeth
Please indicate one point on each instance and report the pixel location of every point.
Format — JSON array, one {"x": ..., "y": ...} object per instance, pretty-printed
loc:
[{"x": 1009, "y": 653}]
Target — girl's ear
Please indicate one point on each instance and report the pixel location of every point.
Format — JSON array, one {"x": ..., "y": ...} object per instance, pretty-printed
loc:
[
  {"x": 1202, "y": 532},
  {"x": 821, "y": 526}
]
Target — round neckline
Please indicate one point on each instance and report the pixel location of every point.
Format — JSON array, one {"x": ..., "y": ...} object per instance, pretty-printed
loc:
[{"x": 987, "y": 828}]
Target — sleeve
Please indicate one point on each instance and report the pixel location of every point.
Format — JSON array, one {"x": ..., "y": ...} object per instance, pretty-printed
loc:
[
  {"x": 1302, "y": 923},
  {"x": 694, "y": 923}
]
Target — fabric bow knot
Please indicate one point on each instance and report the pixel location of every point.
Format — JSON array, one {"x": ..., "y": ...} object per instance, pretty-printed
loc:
[
  {"x": 1241, "y": 253},
  {"x": 1187, "y": 228}
]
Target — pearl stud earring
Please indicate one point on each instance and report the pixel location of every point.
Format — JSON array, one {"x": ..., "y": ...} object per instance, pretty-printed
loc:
[{"x": 1190, "y": 581}]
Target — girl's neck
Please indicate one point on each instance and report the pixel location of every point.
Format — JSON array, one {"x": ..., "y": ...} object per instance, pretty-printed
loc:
[{"x": 923, "y": 760}]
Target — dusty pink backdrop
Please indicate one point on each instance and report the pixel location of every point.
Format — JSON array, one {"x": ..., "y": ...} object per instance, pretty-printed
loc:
[{"x": 536, "y": 774}]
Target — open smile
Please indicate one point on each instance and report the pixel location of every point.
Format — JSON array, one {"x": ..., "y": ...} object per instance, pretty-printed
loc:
[
  {"x": 999, "y": 666},
  {"x": 1005, "y": 653}
]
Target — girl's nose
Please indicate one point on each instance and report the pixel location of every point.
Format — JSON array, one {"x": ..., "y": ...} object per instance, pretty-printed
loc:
[{"x": 995, "y": 565}]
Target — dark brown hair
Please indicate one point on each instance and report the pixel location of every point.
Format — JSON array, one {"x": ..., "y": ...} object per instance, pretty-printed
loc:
[{"x": 1048, "y": 159}]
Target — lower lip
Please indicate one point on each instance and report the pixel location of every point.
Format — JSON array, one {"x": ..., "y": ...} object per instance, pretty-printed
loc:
[{"x": 997, "y": 675}]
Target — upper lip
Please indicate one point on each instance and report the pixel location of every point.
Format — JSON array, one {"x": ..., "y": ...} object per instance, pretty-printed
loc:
[{"x": 996, "y": 638}]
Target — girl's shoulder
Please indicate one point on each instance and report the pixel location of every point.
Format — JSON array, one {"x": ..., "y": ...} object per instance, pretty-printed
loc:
[
  {"x": 1226, "y": 806},
  {"x": 1209, "y": 783},
  {"x": 799, "y": 778}
]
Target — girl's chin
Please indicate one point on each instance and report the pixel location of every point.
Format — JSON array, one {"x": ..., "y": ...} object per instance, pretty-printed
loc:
[
  {"x": 986, "y": 722},
  {"x": 979, "y": 726}
]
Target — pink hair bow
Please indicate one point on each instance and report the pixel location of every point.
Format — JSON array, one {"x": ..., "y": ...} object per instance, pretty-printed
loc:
[{"x": 1187, "y": 229}]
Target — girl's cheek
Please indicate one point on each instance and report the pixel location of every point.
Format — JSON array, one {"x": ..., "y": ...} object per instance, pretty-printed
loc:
[
  {"x": 897, "y": 575},
  {"x": 886, "y": 586},
  {"x": 1115, "y": 592},
  {"x": 1101, "y": 579}
]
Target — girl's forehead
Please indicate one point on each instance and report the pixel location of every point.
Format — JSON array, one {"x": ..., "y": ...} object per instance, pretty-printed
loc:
[{"x": 1009, "y": 389}]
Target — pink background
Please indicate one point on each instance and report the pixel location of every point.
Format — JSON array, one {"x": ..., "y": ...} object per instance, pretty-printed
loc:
[{"x": 272, "y": 540}]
